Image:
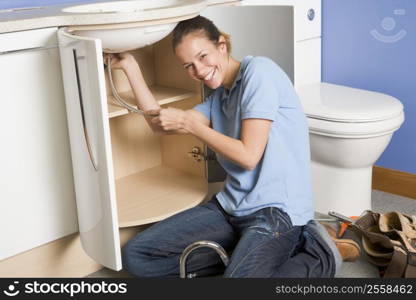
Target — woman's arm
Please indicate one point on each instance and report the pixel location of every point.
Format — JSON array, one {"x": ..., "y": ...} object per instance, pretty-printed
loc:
[
  {"x": 144, "y": 97},
  {"x": 246, "y": 151}
]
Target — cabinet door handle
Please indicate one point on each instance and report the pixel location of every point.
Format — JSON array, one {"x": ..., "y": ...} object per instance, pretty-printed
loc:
[
  {"x": 4, "y": 52},
  {"x": 81, "y": 104}
]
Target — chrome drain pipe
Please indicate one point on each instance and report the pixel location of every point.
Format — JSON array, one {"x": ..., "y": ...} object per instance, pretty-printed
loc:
[{"x": 199, "y": 244}]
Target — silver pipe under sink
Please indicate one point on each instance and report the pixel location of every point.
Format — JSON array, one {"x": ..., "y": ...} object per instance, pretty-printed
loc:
[{"x": 199, "y": 244}]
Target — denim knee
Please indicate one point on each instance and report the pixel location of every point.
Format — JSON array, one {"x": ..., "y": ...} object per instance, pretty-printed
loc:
[
  {"x": 142, "y": 259},
  {"x": 131, "y": 259},
  {"x": 138, "y": 260}
]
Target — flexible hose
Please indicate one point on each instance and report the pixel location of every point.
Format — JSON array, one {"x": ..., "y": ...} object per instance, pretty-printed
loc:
[{"x": 118, "y": 100}]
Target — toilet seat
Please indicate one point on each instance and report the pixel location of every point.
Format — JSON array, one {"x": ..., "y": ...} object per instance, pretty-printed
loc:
[
  {"x": 354, "y": 130},
  {"x": 342, "y": 111}
]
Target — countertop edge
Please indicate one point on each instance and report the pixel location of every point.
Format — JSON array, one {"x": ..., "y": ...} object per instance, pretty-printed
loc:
[{"x": 53, "y": 16}]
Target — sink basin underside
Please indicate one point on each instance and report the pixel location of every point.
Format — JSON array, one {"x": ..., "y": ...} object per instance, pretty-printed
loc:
[
  {"x": 154, "y": 20},
  {"x": 125, "y": 39}
]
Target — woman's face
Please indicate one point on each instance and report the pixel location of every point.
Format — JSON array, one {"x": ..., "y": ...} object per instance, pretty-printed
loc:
[{"x": 203, "y": 60}]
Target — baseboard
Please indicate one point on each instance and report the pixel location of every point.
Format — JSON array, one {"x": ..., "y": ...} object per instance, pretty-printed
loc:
[
  {"x": 394, "y": 182},
  {"x": 61, "y": 258}
]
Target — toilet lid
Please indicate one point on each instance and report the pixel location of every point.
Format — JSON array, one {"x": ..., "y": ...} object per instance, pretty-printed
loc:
[{"x": 338, "y": 103}]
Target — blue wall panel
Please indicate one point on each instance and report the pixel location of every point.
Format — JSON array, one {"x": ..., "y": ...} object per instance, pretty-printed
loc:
[{"x": 371, "y": 44}]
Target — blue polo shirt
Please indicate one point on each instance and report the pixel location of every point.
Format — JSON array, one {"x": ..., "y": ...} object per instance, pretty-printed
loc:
[{"x": 281, "y": 179}]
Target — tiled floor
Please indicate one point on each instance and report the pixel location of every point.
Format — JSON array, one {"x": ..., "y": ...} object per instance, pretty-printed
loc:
[{"x": 381, "y": 202}]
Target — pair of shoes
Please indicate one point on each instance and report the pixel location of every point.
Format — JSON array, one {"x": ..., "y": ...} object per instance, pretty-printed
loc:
[{"x": 349, "y": 249}]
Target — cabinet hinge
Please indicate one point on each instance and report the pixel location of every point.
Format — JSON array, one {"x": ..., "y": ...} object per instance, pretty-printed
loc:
[{"x": 198, "y": 155}]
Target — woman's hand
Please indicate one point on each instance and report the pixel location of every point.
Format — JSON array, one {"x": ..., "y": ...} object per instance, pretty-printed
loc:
[
  {"x": 122, "y": 60},
  {"x": 172, "y": 120}
]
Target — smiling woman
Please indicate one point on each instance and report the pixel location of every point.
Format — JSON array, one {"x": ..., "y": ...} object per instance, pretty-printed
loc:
[
  {"x": 254, "y": 122},
  {"x": 212, "y": 49}
]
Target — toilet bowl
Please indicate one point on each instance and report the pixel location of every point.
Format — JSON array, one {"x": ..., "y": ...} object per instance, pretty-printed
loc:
[{"x": 349, "y": 129}]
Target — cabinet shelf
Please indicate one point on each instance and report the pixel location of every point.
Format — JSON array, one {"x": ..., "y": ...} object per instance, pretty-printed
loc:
[
  {"x": 157, "y": 193},
  {"x": 162, "y": 94}
]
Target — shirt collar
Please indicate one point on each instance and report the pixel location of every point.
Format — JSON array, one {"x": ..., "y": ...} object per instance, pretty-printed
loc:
[{"x": 237, "y": 79}]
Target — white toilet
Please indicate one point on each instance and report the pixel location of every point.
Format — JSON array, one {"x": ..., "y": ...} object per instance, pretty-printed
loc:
[{"x": 349, "y": 129}]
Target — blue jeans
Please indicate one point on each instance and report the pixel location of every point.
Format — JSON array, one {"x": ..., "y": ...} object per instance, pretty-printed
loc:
[{"x": 263, "y": 244}]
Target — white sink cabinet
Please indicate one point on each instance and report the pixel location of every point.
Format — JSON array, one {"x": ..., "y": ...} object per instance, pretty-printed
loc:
[{"x": 37, "y": 190}]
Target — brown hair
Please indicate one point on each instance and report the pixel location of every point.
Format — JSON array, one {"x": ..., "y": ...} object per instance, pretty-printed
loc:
[{"x": 200, "y": 25}]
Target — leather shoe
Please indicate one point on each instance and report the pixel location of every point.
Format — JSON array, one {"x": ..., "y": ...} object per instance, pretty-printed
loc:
[{"x": 349, "y": 249}]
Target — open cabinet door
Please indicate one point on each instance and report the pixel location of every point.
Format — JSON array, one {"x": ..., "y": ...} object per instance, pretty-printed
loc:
[{"x": 86, "y": 105}]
